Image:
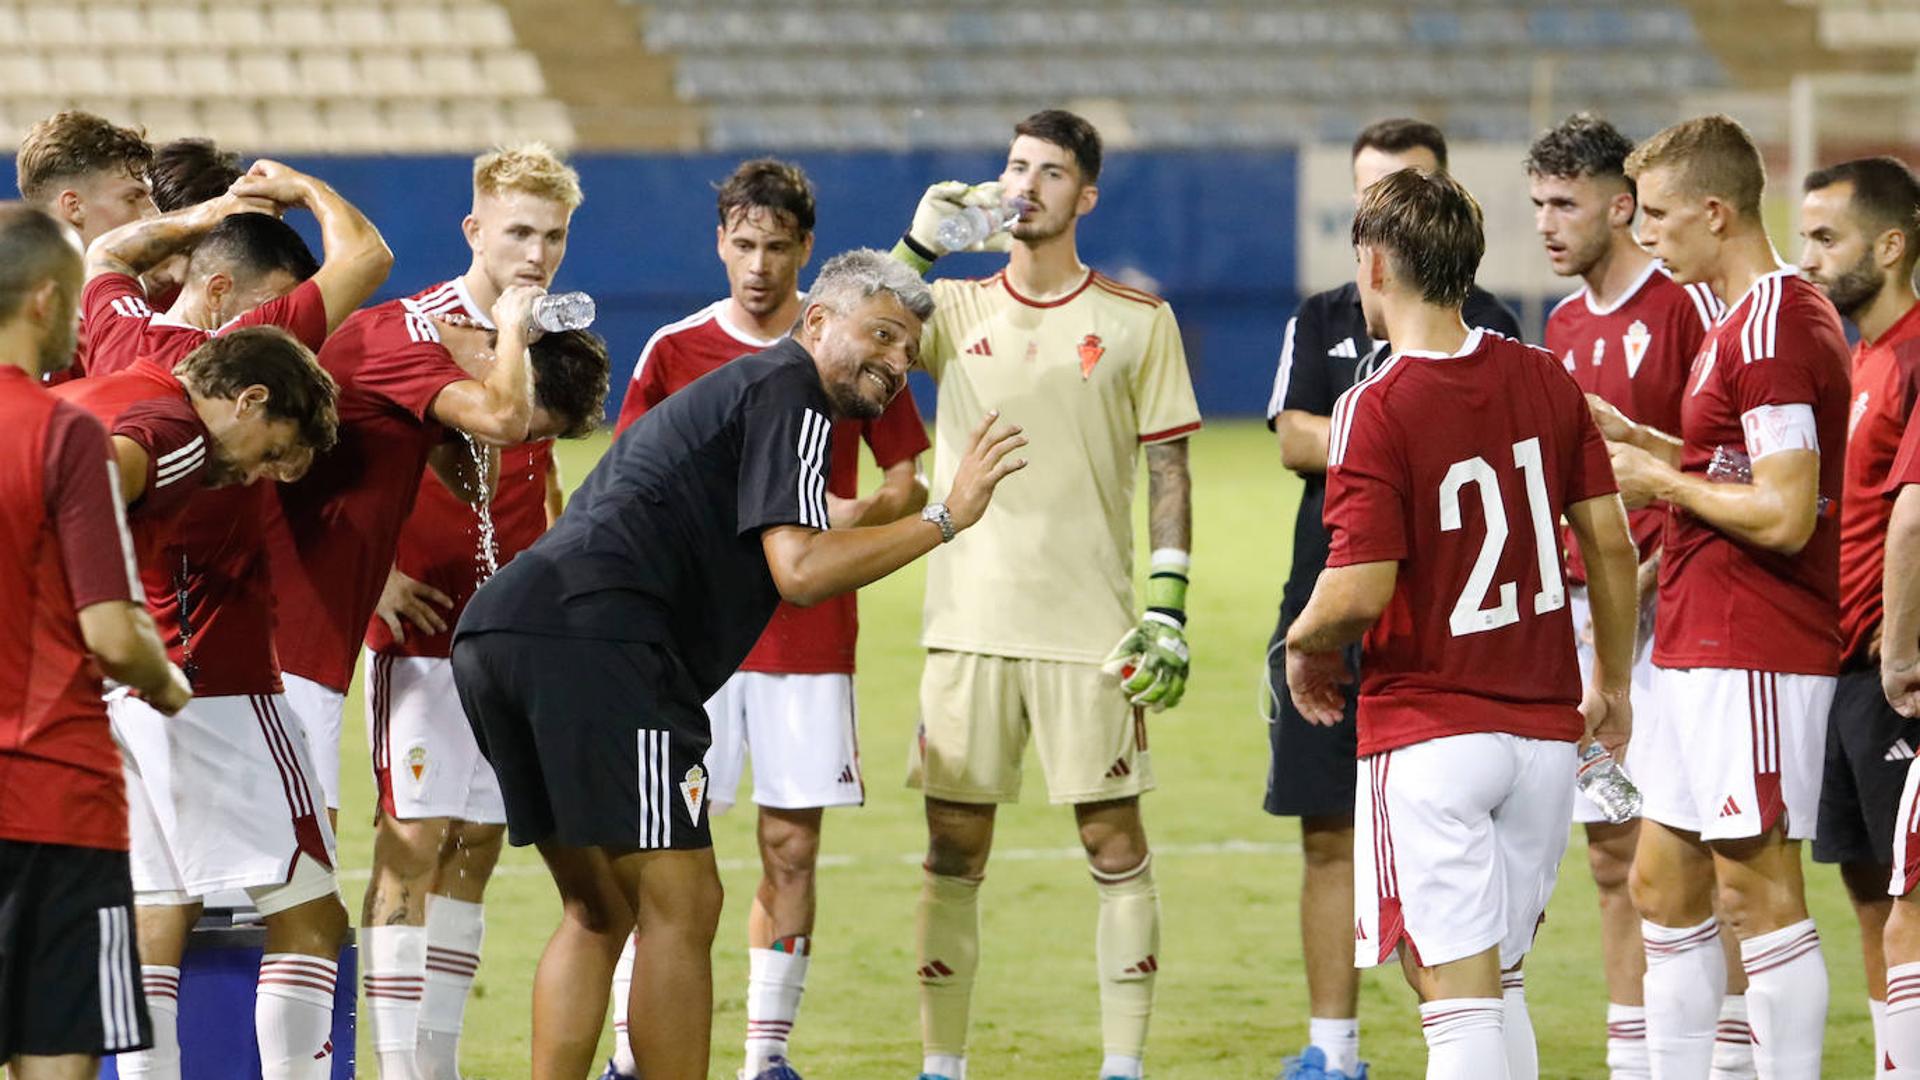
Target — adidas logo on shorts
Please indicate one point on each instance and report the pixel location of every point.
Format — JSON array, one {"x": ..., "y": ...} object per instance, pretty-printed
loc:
[
  {"x": 1901, "y": 750},
  {"x": 1729, "y": 808}
]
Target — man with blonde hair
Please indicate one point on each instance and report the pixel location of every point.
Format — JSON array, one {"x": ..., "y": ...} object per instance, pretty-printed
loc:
[
  {"x": 1747, "y": 640},
  {"x": 439, "y": 822}
]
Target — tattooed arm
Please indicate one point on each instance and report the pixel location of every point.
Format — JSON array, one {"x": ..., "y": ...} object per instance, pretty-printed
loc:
[{"x": 1169, "y": 496}]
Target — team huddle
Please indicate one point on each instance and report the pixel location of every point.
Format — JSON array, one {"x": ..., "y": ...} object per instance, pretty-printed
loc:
[{"x": 1670, "y": 536}]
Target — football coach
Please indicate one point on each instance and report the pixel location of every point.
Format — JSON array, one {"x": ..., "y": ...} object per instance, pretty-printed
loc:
[{"x": 583, "y": 664}]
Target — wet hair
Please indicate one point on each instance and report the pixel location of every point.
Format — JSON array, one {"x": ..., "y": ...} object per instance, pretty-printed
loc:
[
  {"x": 298, "y": 388},
  {"x": 778, "y": 187},
  {"x": 1399, "y": 135},
  {"x": 851, "y": 276},
  {"x": 1431, "y": 227},
  {"x": 1070, "y": 132},
  {"x": 531, "y": 168},
  {"x": 73, "y": 144},
  {"x": 1886, "y": 195},
  {"x": 188, "y": 172},
  {"x": 570, "y": 371},
  {"x": 1582, "y": 145},
  {"x": 1711, "y": 156},
  {"x": 250, "y": 246}
]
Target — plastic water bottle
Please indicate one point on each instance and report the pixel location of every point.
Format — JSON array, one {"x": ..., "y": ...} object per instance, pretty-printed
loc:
[
  {"x": 1602, "y": 780},
  {"x": 1731, "y": 465},
  {"x": 974, "y": 224},
  {"x": 558, "y": 312}
]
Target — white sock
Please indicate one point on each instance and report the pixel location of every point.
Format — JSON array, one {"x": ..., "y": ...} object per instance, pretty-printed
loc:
[
  {"x": 1902, "y": 1028},
  {"x": 455, "y": 929},
  {"x": 395, "y": 979},
  {"x": 1787, "y": 1000},
  {"x": 1733, "y": 1042},
  {"x": 1627, "y": 1042},
  {"x": 1123, "y": 1066},
  {"x": 1685, "y": 980},
  {"x": 622, "y": 989},
  {"x": 293, "y": 1016},
  {"x": 775, "y": 980},
  {"x": 1464, "y": 1040},
  {"x": 1339, "y": 1039},
  {"x": 945, "y": 1065},
  {"x": 1878, "y": 1011},
  {"x": 1523, "y": 1057},
  {"x": 161, "y": 987}
]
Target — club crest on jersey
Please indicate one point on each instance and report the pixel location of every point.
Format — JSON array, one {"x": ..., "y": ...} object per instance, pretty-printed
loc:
[
  {"x": 1636, "y": 341},
  {"x": 417, "y": 763},
  {"x": 1090, "y": 353},
  {"x": 694, "y": 790}
]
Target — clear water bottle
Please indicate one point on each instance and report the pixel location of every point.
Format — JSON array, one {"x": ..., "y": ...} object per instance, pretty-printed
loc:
[
  {"x": 1731, "y": 465},
  {"x": 974, "y": 224},
  {"x": 1606, "y": 784},
  {"x": 558, "y": 312}
]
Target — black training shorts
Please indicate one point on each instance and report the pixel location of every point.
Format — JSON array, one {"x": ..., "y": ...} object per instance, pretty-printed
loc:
[
  {"x": 1311, "y": 773},
  {"x": 69, "y": 969},
  {"x": 1869, "y": 747},
  {"x": 596, "y": 743}
]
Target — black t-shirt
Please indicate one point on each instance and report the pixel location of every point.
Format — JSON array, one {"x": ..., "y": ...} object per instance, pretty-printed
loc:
[
  {"x": 1325, "y": 351},
  {"x": 662, "y": 541}
]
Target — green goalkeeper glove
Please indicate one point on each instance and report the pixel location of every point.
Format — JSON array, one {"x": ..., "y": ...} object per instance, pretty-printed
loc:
[
  {"x": 1152, "y": 658},
  {"x": 921, "y": 245}
]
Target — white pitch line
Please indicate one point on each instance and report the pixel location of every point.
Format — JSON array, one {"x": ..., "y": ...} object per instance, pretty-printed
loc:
[{"x": 1227, "y": 848}]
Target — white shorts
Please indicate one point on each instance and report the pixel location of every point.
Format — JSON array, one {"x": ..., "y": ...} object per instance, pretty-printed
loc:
[
  {"x": 1906, "y": 836},
  {"x": 319, "y": 709},
  {"x": 222, "y": 797},
  {"x": 1456, "y": 845},
  {"x": 426, "y": 762},
  {"x": 1584, "y": 810},
  {"x": 803, "y": 735},
  {"x": 1729, "y": 753}
]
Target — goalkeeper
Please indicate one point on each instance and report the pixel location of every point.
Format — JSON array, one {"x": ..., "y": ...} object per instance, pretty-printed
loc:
[{"x": 1031, "y": 628}]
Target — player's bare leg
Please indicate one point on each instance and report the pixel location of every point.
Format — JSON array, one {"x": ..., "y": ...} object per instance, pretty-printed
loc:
[
  {"x": 63, "y": 1067},
  {"x": 162, "y": 934},
  {"x": 1764, "y": 900},
  {"x": 570, "y": 984},
  {"x": 455, "y": 930},
  {"x": 780, "y": 930},
  {"x": 1326, "y": 933},
  {"x": 1461, "y": 1015},
  {"x": 1901, "y": 943},
  {"x": 393, "y": 936},
  {"x": 947, "y": 931},
  {"x": 1672, "y": 886},
  {"x": 1622, "y": 956},
  {"x": 1127, "y": 944},
  {"x": 1867, "y": 888}
]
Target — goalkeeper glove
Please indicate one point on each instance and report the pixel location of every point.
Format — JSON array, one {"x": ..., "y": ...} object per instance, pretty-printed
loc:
[
  {"x": 1152, "y": 658},
  {"x": 921, "y": 245}
]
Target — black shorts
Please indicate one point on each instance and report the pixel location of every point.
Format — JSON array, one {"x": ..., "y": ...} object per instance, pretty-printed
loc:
[
  {"x": 1869, "y": 747},
  {"x": 596, "y": 743},
  {"x": 1311, "y": 772},
  {"x": 69, "y": 968}
]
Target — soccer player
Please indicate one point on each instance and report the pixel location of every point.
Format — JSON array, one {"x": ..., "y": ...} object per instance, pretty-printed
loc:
[
  {"x": 1900, "y": 681},
  {"x": 791, "y": 703},
  {"x": 188, "y": 172},
  {"x": 223, "y": 794},
  {"x": 439, "y": 823},
  {"x": 244, "y": 268},
  {"x": 74, "y": 615},
  {"x": 1746, "y": 641},
  {"x": 659, "y": 577},
  {"x": 1628, "y": 335},
  {"x": 1020, "y": 634},
  {"x": 1448, "y": 469},
  {"x": 1861, "y": 223},
  {"x": 1326, "y": 349}
]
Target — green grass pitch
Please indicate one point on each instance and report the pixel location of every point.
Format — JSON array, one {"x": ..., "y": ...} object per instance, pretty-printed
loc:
[{"x": 1232, "y": 992}]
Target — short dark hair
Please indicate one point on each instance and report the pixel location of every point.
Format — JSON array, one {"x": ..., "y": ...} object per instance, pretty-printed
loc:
[
  {"x": 34, "y": 247},
  {"x": 1431, "y": 225},
  {"x": 1583, "y": 145},
  {"x": 1070, "y": 132},
  {"x": 298, "y": 388},
  {"x": 188, "y": 172},
  {"x": 1399, "y": 135},
  {"x": 570, "y": 379},
  {"x": 779, "y": 187},
  {"x": 1886, "y": 195},
  {"x": 252, "y": 246},
  {"x": 72, "y": 144}
]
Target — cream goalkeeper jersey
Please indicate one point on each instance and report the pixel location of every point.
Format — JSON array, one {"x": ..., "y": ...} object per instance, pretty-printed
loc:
[{"x": 1048, "y": 572}]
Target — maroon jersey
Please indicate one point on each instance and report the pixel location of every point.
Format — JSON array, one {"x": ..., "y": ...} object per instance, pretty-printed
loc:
[
  {"x": 817, "y": 640},
  {"x": 1459, "y": 468},
  {"x": 442, "y": 542},
  {"x": 1774, "y": 368},
  {"x": 146, "y": 404},
  {"x": 1886, "y": 385},
  {"x": 333, "y": 542},
  {"x": 63, "y": 548},
  {"x": 1634, "y": 354},
  {"x": 122, "y": 326}
]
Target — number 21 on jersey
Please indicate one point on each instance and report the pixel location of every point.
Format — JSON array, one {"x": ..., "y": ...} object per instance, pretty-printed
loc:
[{"x": 1471, "y": 613}]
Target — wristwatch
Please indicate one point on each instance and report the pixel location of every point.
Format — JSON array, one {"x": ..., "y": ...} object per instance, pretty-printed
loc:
[{"x": 937, "y": 513}]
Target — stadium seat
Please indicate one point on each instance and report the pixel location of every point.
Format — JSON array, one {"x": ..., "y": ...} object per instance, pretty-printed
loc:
[
  {"x": 115, "y": 24},
  {"x": 50, "y": 26},
  {"x": 144, "y": 74},
  {"x": 513, "y": 73},
  {"x": 203, "y": 73},
  {"x": 542, "y": 119},
  {"x": 328, "y": 73},
  {"x": 23, "y": 72},
  {"x": 234, "y": 24},
  {"x": 421, "y": 24},
  {"x": 292, "y": 125},
  {"x": 389, "y": 73},
  {"x": 482, "y": 25},
  {"x": 356, "y": 127},
  {"x": 167, "y": 119},
  {"x": 295, "y": 25},
  {"x": 418, "y": 126},
  {"x": 232, "y": 123},
  {"x": 447, "y": 73},
  {"x": 366, "y": 27},
  {"x": 267, "y": 72}
]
